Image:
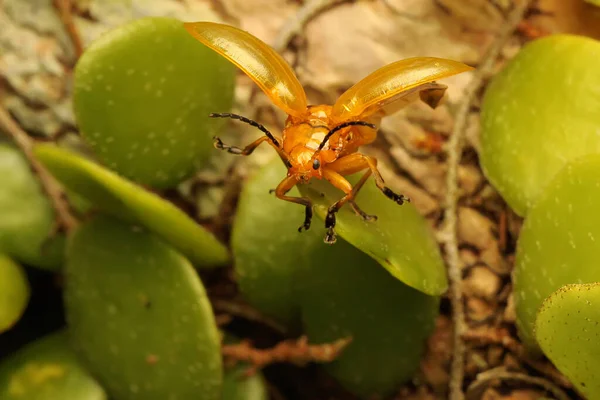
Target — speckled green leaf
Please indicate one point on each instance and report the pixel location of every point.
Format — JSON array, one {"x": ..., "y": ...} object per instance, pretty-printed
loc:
[
  {"x": 400, "y": 240},
  {"x": 568, "y": 330},
  {"x": 47, "y": 369},
  {"x": 14, "y": 292},
  {"x": 559, "y": 243},
  {"x": 139, "y": 315},
  {"x": 142, "y": 96},
  {"x": 538, "y": 113},
  {"x": 26, "y": 215},
  {"x": 347, "y": 294},
  {"x": 121, "y": 198},
  {"x": 268, "y": 249},
  {"x": 337, "y": 290}
]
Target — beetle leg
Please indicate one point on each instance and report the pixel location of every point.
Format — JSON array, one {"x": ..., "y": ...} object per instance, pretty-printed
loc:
[
  {"x": 285, "y": 186},
  {"x": 218, "y": 143},
  {"x": 356, "y": 162},
  {"x": 341, "y": 183}
]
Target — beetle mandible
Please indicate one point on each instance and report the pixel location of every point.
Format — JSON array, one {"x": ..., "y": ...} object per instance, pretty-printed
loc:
[{"x": 322, "y": 141}]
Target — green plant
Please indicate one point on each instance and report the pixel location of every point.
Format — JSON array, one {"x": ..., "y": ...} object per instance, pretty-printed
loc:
[
  {"x": 567, "y": 330},
  {"x": 331, "y": 292},
  {"x": 139, "y": 321},
  {"x": 28, "y": 217},
  {"x": 538, "y": 113},
  {"x": 47, "y": 369},
  {"x": 541, "y": 149},
  {"x": 141, "y": 97},
  {"x": 14, "y": 292}
]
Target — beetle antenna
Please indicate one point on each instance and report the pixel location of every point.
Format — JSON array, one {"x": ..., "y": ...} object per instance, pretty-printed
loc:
[
  {"x": 249, "y": 122},
  {"x": 342, "y": 126}
]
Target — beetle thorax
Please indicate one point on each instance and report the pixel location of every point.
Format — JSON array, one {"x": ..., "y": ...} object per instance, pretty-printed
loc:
[{"x": 301, "y": 140}]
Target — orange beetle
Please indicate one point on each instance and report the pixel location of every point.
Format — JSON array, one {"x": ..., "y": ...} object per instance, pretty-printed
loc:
[{"x": 322, "y": 141}]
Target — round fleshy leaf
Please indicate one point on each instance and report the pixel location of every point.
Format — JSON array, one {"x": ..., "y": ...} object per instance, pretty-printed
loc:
[
  {"x": 559, "y": 243},
  {"x": 123, "y": 199},
  {"x": 268, "y": 254},
  {"x": 26, "y": 215},
  {"x": 142, "y": 96},
  {"x": 47, "y": 369},
  {"x": 238, "y": 387},
  {"x": 567, "y": 328},
  {"x": 14, "y": 292},
  {"x": 400, "y": 240},
  {"x": 348, "y": 295},
  {"x": 337, "y": 290},
  {"x": 139, "y": 315},
  {"x": 538, "y": 113}
]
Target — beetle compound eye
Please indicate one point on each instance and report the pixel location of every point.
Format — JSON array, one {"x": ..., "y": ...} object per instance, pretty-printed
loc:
[{"x": 316, "y": 164}]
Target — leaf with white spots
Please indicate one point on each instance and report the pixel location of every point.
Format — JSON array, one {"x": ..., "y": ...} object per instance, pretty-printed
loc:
[
  {"x": 142, "y": 96},
  {"x": 47, "y": 369},
  {"x": 559, "y": 243},
  {"x": 139, "y": 315},
  {"x": 330, "y": 291},
  {"x": 121, "y": 198},
  {"x": 538, "y": 113},
  {"x": 568, "y": 330},
  {"x": 400, "y": 239}
]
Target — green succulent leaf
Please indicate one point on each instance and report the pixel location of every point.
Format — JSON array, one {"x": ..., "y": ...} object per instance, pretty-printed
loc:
[
  {"x": 268, "y": 254},
  {"x": 238, "y": 387},
  {"x": 123, "y": 199},
  {"x": 26, "y": 215},
  {"x": 400, "y": 240},
  {"x": 142, "y": 96},
  {"x": 559, "y": 243},
  {"x": 47, "y": 369},
  {"x": 139, "y": 315},
  {"x": 538, "y": 113},
  {"x": 347, "y": 295},
  {"x": 331, "y": 291},
  {"x": 567, "y": 329},
  {"x": 14, "y": 292}
]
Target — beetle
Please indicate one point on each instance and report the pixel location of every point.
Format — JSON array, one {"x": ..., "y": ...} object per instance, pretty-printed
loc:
[{"x": 322, "y": 141}]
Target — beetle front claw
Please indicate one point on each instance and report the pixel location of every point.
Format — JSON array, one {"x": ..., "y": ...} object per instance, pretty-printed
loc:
[
  {"x": 330, "y": 236},
  {"x": 361, "y": 213},
  {"x": 307, "y": 219},
  {"x": 398, "y": 198},
  {"x": 218, "y": 143}
]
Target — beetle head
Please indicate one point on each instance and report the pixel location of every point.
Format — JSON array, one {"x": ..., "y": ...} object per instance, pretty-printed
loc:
[{"x": 303, "y": 164}]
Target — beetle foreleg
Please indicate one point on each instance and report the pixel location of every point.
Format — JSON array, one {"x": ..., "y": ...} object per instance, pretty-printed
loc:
[
  {"x": 341, "y": 183},
  {"x": 218, "y": 143},
  {"x": 355, "y": 162},
  {"x": 285, "y": 186}
]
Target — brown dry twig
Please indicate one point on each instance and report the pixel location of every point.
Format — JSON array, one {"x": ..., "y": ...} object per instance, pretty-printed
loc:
[
  {"x": 501, "y": 374},
  {"x": 293, "y": 26},
  {"x": 454, "y": 151},
  {"x": 64, "y": 8},
  {"x": 296, "y": 351},
  {"x": 502, "y": 337},
  {"x": 65, "y": 219}
]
